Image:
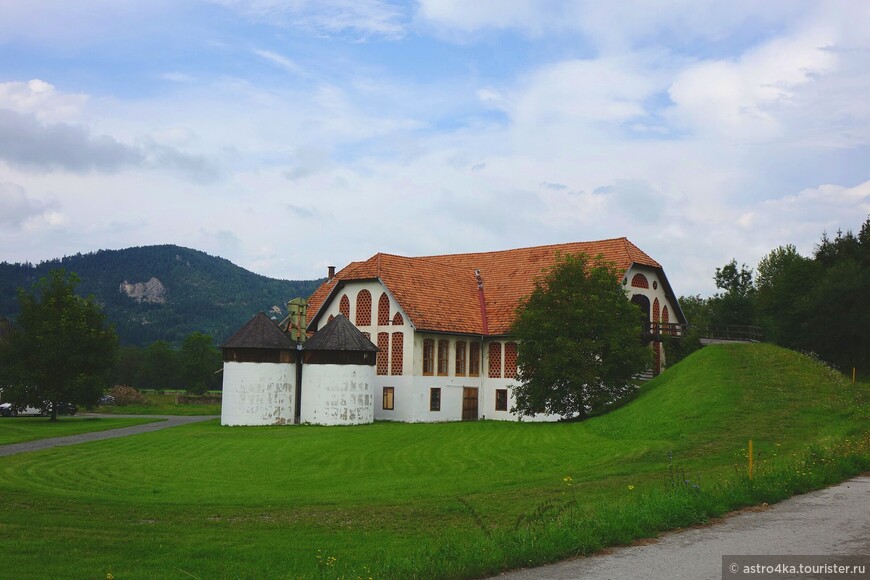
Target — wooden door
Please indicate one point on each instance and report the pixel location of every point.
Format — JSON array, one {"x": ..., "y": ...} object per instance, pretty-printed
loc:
[{"x": 469, "y": 404}]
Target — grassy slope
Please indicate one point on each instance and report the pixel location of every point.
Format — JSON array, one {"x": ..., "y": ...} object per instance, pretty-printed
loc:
[
  {"x": 20, "y": 429},
  {"x": 251, "y": 502}
]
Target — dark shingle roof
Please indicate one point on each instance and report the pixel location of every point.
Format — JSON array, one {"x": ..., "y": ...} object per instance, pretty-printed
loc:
[
  {"x": 260, "y": 332},
  {"x": 340, "y": 334}
]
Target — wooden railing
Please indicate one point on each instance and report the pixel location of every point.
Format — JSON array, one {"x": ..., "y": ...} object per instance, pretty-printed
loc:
[
  {"x": 656, "y": 330},
  {"x": 733, "y": 332}
]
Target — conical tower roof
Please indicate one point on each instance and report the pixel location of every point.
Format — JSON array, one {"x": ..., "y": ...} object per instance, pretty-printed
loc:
[
  {"x": 340, "y": 334},
  {"x": 260, "y": 332}
]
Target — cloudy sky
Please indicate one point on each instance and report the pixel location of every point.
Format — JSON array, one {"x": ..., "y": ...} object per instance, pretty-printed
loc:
[{"x": 288, "y": 135}]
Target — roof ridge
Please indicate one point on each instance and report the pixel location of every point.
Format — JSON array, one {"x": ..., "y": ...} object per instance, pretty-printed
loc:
[{"x": 540, "y": 246}]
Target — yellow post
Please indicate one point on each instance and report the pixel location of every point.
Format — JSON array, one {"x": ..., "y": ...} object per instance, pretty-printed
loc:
[
  {"x": 853, "y": 375},
  {"x": 750, "y": 459}
]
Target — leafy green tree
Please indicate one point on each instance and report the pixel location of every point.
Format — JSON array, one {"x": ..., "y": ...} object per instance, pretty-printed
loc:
[
  {"x": 579, "y": 340},
  {"x": 200, "y": 359},
  {"x": 162, "y": 366},
  {"x": 784, "y": 283},
  {"x": 59, "y": 349},
  {"x": 736, "y": 305},
  {"x": 698, "y": 314}
]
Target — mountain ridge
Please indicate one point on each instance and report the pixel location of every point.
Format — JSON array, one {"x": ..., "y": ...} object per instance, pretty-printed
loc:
[{"x": 162, "y": 292}]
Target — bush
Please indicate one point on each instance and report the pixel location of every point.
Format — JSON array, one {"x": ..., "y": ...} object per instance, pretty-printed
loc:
[{"x": 125, "y": 395}]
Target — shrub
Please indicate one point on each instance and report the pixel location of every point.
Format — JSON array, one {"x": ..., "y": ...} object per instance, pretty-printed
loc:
[{"x": 125, "y": 395}]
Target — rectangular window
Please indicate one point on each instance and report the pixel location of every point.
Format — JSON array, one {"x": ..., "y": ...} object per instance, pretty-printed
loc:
[
  {"x": 443, "y": 352},
  {"x": 501, "y": 400},
  {"x": 474, "y": 359},
  {"x": 435, "y": 399},
  {"x": 460, "y": 358},
  {"x": 428, "y": 356},
  {"x": 388, "y": 398}
]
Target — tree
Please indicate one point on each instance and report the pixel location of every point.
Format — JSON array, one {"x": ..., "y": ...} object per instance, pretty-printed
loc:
[
  {"x": 579, "y": 340},
  {"x": 698, "y": 312},
  {"x": 737, "y": 304},
  {"x": 162, "y": 366},
  {"x": 784, "y": 290},
  {"x": 59, "y": 349},
  {"x": 200, "y": 359}
]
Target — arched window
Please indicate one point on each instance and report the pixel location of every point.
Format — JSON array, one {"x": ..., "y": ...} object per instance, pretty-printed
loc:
[
  {"x": 639, "y": 281},
  {"x": 655, "y": 316},
  {"x": 398, "y": 353},
  {"x": 495, "y": 360},
  {"x": 383, "y": 353},
  {"x": 398, "y": 320},
  {"x": 383, "y": 309},
  {"x": 344, "y": 306},
  {"x": 364, "y": 308},
  {"x": 510, "y": 360}
]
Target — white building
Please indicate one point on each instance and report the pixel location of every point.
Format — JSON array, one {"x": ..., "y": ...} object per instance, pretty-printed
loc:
[
  {"x": 270, "y": 379},
  {"x": 441, "y": 323}
]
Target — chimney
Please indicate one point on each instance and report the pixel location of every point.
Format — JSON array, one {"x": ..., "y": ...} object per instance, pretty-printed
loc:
[{"x": 330, "y": 273}]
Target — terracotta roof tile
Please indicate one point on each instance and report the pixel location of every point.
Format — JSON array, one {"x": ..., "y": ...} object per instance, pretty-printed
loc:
[{"x": 440, "y": 293}]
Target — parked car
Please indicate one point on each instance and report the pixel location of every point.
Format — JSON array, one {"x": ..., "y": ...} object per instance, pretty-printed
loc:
[{"x": 10, "y": 410}]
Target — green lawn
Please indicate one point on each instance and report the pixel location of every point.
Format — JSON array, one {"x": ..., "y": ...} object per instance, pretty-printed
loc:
[
  {"x": 20, "y": 429},
  {"x": 424, "y": 500}
]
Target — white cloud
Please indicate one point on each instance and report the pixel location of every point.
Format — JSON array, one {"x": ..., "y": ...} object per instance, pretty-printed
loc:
[
  {"x": 278, "y": 60},
  {"x": 42, "y": 100},
  {"x": 360, "y": 17},
  {"x": 18, "y": 210},
  {"x": 748, "y": 98}
]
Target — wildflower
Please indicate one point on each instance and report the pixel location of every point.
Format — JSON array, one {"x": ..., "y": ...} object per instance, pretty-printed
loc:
[
  {"x": 568, "y": 479},
  {"x": 630, "y": 488}
]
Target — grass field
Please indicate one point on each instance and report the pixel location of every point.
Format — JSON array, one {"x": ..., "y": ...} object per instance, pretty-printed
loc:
[
  {"x": 161, "y": 404},
  {"x": 433, "y": 500},
  {"x": 20, "y": 429}
]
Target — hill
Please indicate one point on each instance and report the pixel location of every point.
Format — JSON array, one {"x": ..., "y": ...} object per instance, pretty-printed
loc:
[{"x": 162, "y": 292}]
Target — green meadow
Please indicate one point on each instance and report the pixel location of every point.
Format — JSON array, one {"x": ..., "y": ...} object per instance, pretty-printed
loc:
[{"x": 449, "y": 500}]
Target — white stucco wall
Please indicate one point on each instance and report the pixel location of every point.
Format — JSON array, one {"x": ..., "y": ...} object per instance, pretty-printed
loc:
[
  {"x": 258, "y": 393},
  {"x": 337, "y": 394}
]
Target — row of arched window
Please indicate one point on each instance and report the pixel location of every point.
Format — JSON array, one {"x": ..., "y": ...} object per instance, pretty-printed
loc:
[{"x": 363, "y": 314}]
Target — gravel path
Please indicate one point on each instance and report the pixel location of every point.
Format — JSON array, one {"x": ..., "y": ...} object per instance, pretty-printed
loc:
[
  {"x": 166, "y": 421},
  {"x": 830, "y": 521}
]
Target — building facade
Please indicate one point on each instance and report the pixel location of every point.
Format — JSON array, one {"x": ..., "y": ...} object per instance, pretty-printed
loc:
[{"x": 442, "y": 323}]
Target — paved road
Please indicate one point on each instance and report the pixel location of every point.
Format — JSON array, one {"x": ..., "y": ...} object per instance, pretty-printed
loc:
[
  {"x": 830, "y": 521},
  {"x": 165, "y": 422}
]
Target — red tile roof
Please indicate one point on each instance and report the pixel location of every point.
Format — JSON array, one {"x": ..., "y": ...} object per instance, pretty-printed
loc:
[{"x": 440, "y": 293}]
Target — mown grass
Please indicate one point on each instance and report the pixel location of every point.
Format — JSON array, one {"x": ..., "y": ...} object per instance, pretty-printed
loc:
[
  {"x": 161, "y": 404},
  {"x": 21, "y": 429},
  {"x": 446, "y": 500}
]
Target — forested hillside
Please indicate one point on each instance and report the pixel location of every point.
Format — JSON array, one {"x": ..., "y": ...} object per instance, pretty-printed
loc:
[{"x": 162, "y": 292}]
